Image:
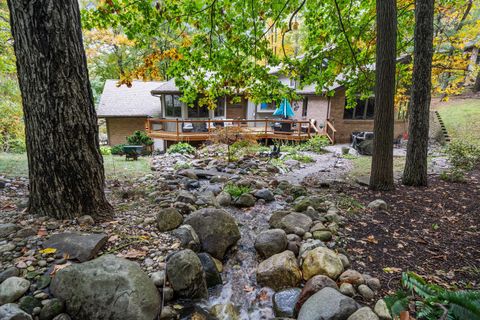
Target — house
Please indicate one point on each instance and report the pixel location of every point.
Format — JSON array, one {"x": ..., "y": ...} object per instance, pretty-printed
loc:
[{"x": 171, "y": 121}]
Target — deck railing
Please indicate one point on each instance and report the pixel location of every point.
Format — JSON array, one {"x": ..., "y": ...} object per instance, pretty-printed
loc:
[
  {"x": 198, "y": 130},
  {"x": 330, "y": 131}
]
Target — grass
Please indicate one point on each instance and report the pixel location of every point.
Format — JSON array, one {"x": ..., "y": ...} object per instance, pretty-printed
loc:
[
  {"x": 236, "y": 191},
  {"x": 461, "y": 118},
  {"x": 362, "y": 165},
  {"x": 16, "y": 165}
]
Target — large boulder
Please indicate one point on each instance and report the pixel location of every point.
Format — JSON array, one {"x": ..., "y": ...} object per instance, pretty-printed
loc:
[
  {"x": 168, "y": 219},
  {"x": 277, "y": 217},
  {"x": 212, "y": 276},
  {"x": 245, "y": 200},
  {"x": 264, "y": 194},
  {"x": 312, "y": 286},
  {"x": 323, "y": 261},
  {"x": 11, "y": 311},
  {"x": 329, "y": 304},
  {"x": 185, "y": 274},
  {"x": 216, "y": 228},
  {"x": 279, "y": 271},
  {"x": 271, "y": 242},
  {"x": 107, "y": 288},
  {"x": 188, "y": 237},
  {"x": 12, "y": 289},
  {"x": 296, "y": 222},
  {"x": 80, "y": 246},
  {"x": 284, "y": 302}
]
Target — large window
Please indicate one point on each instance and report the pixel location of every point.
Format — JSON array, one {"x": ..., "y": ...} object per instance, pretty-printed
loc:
[
  {"x": 197, "y": 112},
  {"x": 220, "y": 109},
  {"x": 363, "y": 110},
  {"x": 268, "y": 106},
  {"x": 173, "y": 106}
]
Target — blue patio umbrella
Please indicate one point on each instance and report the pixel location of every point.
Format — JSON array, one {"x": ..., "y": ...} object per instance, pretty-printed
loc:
[{"x": 285, "y": 109}]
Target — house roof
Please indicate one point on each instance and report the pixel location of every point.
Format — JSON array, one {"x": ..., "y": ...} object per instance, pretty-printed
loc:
[
  {"x": 166, "y": 87},
  {"x": 123, "y": 101}
]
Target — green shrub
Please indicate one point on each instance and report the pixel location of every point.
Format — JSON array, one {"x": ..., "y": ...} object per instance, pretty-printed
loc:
[
  {"x": 433, "y": 302},
  {"x": 453, "y": 175},
  {"x": 17, "y": 146},
  {"x": 182, "y": 165},
  {"x": 463, "y": 155},
  {"x": 315, "y": 144},
  {"x": 117, "y": 149},
  {"x": 182, "y": 148},
  {"x": 300, "y": 157},
  {"x": 236, "y": 191},
  {"x": 105, "y": 150},
  {"x": 139, "y": 138}
]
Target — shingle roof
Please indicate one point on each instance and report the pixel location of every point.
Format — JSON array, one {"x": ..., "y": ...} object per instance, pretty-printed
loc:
[
  {"x": 166, "y": 87},
  {"x": 129, "y": 102}
]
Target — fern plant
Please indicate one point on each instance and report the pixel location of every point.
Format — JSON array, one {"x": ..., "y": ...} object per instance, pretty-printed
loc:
[{"x": 434, "y": 302}]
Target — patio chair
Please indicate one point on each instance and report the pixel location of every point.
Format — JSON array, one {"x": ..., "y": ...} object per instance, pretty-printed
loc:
[{"x": 187, "y": 127}]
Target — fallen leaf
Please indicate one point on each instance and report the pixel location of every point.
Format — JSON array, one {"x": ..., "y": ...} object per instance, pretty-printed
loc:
[
  {"x": 132, "y": 254},
  {"x": 248, "y": 288},
  {"x": 42, "y": 232},
  {"x": 59, "y": 267},
  {"x": 391, "y": 270},
  {"x": 113, "y": 238},
  {"x": 48, "y": 251}
]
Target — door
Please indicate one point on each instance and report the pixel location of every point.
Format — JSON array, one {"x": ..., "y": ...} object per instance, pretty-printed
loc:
[{"x": 237, "y": 110}]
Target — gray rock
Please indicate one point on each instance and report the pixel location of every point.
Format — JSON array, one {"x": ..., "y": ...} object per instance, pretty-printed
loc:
[
  {"x": 224, "y": 199},
  {"x": 372, "y": 283},
  {"x": 314, "y": 285},
  {"x": 80, "y": 246},
  {"x": 28, "y": 303},
  {"x": 321, "y": 261},
  {"x": 189, "y": 173},
  {"x": 271, "y": 242},
  {"x": 296, "y": 222},
  {"x": 12, "y": 289},
  {"x": 352, "y": 276},
  {"x": 86, "y": 220},
  {"x": 188, "y": 237},
  {"x": 345, "y": 261},
  {"x": 158, "y": 278},
  {"x": 51, "y": 309},
  {"x": 245, "y": 200},
  {"x": 107, "y": 288},
  {"x": 366, "y": 292},
  {"x": 216, "y": 228},
  {"x": 284, "y": 302},
  {"x": 364, "y": 313},
  {"x": 378, "y": 204},
  {"x": 276, "y": 218},
  {"x": 279, "y": 271},
  {"x": 168, "y": 219},
  {"x": 7, "y": 273},
  {"x": 308, "y": 245},
  {"x": 186, "y": 197},
  {"x": 264, "y": 194},
  {"x": 167, "y": 294},
  {"x": 212, "y": 276},
  {"x": 7, "y": 247},
  {"x": 185, "y": 274},
  {"x": 26, "y": 232},
  {"x": 7, "y": 229},
  {"x": 381, "y": 309},
  {"x": 329, "y": 304},
  {"x": 11, "y": 311},
  {"x": 323, "y": 235},
  {"x": 347, "y": 289},
  {"x": 168, "y": 313},
  {"x": 62, "y": 316}
]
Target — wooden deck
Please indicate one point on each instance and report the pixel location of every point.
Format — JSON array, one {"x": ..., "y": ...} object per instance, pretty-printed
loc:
[{"x": 173, "y": 129}]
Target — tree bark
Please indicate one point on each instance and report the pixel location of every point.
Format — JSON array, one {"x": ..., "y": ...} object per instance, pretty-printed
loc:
[
  {"x": 382, "y": 161},
  {"x": 65, "y": 166},
  {"x": 415, "y": 173}
]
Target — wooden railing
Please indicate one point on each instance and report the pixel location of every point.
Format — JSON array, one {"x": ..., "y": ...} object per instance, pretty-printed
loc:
[
  {"x": 175, "y": 129},
  {"x": 330, "y": 131}
]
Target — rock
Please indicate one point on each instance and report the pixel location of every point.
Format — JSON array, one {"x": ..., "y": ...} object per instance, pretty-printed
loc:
[
  {"x": 26, "y": 232},
  {"x": 216, "y": 228},
  {"x": 327, "y": 303},
  {"x": 212, "y": 276},
  {"x": 80, "y": 246},
  {"x": 168, "y": 219},
  {"x": 7, "y": 229},
  {"x": 224, "y": 199},
  {"x": 347, "y": 289},
  {"x": 302, "y": 204},
  {"x": 107, "y": 288},
  {"x": 225, "y": 311},
  {"x": 168, "y": 312},
  {"x": 158, "y": 278},
  {"x": 85, "y": 220},
  {"x": 321, "y": 261},
  {"x": 276, "y": 217},
  {"x": 189, "y": 173},
  {"x": 43, "y": 281},
  {"x": 284, "y": 302},
  {"x": 312, "y": 213},
  {"x": 188, "y": 237},
  {"x": 12, "y": 289},
  {"x": 7, "y": 247},
  {"x": 51, "y": 309},
  {"x": 7, "y": 273},
  {"x": 312, "y": 286},
  {"x": 352, "y": 276},
  {"x": 363, "y": 180},
  {"x": 28, "y": 303},
  {"x": 323, "y": 235},
  {"x": 381, "y": 309},
  {"x": 11, "y": 311},
  {"x": 271, "y": 242},
  {"x": 245, "y": 200},
  {"x": 364, "y": 313},
  {"x": 62, "y": 316},
  {"x": 366, "y": 292},
  {"x": 378, "y": 204},
  {"x": 372, "y": 283},
  {"x": 168, "y": 294},
  {"x": 264, "y": 194},
  {"x": 296, "y": 222},
  {"x": 345, "y": 261},
  {"x": 186, "y": 197},
  {"x": 308, "y": 245},
  {"x": 185, "y": 274},
  {"x": 279, "y": 271}
]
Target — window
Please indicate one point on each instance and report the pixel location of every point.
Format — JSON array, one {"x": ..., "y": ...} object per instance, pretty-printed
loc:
[
  {"x": 363, "y": 110},
  {"x": 305, "y": 107},
  {"x": 220, "y": 109},
  {"x": 173, "y": 106},
  {"x": 198, "y": 112},
  {"x": 293, "y": 83},
  {"x": 266, "y": 106}
]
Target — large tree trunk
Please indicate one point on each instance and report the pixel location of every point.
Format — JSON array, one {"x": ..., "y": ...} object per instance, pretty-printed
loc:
[
  {"x": 382, "y": 161},
  {"x": 415, "y": 172},
  {"x": 65, "y": 166}
]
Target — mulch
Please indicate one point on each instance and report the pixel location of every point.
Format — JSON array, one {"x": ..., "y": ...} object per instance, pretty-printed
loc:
[{"x": 433, "y": 231}]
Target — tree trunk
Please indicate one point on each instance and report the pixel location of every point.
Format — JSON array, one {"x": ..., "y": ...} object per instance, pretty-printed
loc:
[
  {"x": 65, "y": 166},
  {"x": 382, "y": 161},
  {"x": 415, "y": 173}
]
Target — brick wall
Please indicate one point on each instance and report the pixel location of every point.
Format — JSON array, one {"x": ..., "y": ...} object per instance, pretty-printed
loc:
[
  {"x": 119, "y": 128},
  {"x": 345, "y": 127}
]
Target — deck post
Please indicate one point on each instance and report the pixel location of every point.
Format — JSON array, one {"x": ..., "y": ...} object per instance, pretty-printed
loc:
[
  {"x": 178, "y": 132},
  {"x": 308, "y": 130},
  {"x": 266, "y": 128}
]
